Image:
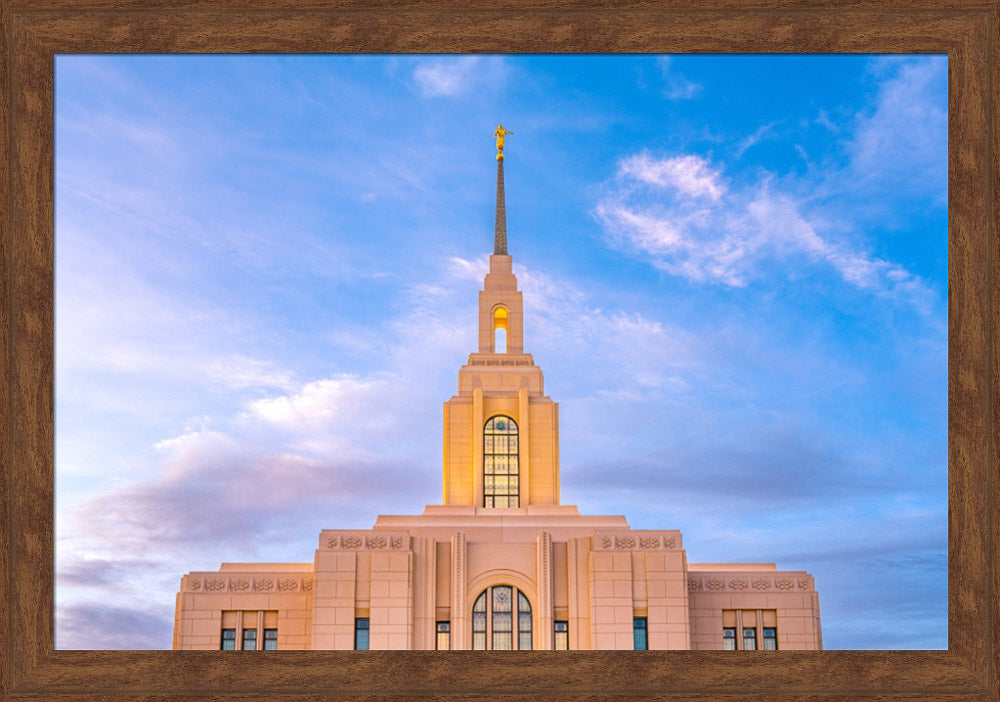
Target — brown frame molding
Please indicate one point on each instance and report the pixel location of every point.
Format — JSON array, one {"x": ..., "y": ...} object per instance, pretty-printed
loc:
[{"x": 33, "y": 30}]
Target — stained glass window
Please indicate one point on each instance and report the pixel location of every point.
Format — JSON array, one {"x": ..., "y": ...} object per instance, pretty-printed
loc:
[
  {"x": 479, "y": 623},
  {"x": 502, "y": 639},
  {"x": 500, "y": 463},
  {"x": 493, "y": 617}
]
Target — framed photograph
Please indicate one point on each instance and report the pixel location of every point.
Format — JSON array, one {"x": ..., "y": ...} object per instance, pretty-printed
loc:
[{"x": 40, "y": 49}]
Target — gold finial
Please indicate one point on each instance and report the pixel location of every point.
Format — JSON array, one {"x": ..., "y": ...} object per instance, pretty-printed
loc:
[{"x": 500, "y": 133}]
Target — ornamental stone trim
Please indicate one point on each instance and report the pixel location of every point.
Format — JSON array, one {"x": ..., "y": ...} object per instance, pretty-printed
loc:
[
  {"x": 368, "y": 541},
  {"x": 263, "y": 584},
  {"x": 736, "y": 583},
  {"x": 630, "y": 541},
  {"x": 287, "y": 584},
  {"x": 625, "y": 542}
]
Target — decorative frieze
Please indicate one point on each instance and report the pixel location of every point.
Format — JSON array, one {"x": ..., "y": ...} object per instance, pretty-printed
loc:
[
  {"x": 731, "y": 582},
  {"x": 248, "y": 583},
  {"x": 500, "y": 362},
  {"x": 368, "y": 542},
  {"x": 630, "y": 541}
]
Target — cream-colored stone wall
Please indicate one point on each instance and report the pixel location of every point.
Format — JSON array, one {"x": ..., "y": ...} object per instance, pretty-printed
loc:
[
  {"x": 204, "y": 596},
  {"x": 792, "y": 594},
  {"x": 404, "y": 580}
]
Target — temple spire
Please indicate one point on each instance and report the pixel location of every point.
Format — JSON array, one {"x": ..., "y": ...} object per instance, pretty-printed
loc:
[{"x": 500, "y": 230}]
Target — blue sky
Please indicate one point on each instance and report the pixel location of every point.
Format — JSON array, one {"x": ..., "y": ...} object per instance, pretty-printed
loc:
[{"x": 735, "y": 282}]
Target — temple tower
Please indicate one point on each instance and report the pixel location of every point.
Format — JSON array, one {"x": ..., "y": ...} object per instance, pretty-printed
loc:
[{"x": 501, "y": 433}]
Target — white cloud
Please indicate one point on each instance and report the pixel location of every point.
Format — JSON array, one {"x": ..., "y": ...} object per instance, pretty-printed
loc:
[
  {"x": 679, "y": 213},
  {"x": 451, "y": 76},
  {"x": 688, "y": 175}
]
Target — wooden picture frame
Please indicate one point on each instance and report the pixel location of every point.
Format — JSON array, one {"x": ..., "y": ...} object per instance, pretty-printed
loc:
[{"x": 34, "y": 30}]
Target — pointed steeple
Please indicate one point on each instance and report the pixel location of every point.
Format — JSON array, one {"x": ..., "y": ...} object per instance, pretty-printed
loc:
[{"x": 500, "y": 230}]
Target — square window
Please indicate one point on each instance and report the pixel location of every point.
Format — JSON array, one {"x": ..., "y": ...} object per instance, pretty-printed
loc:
[
  {"x": 729, "y": 638},
  {"x": 770, "y": 638},
  {"x": 270, "y": 639},
  {"x": 249, "y": 640},
  {"x": 229, "y": 639}
]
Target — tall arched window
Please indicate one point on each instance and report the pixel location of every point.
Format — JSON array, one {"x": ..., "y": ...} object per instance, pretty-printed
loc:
[
  {"x": 493, "y": 620},
  {"x": 500, "y": 465},
  {"x": 500, "y": 325}
]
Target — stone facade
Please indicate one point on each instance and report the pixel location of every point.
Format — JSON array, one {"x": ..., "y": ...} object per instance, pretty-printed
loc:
[{"x": 447, "y": 578}]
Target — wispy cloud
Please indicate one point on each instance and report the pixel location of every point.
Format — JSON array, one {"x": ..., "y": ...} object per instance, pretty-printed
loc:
[
  {"x": 765, "y": 131},
  {"x": 680, "y": 214},
  {"x": 453, "y": 76},
  {"x": 677, "y": 86},
  {"x": 903, "y": 139}
]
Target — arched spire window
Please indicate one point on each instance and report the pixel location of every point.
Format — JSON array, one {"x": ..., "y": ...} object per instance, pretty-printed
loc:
[
  {"x": 500, "y": 330},
  {"x": 501, "y": 472},
  {"x": 497, "y": 620}
]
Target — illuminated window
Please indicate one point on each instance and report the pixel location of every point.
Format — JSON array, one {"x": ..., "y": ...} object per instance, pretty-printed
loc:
[
  {"x": 770, "y": 638},
  {"x": 500, "y": 330},
  {"x": 639, "y": 633},
  {"x": 500, "y": 464},
  {"x": 443, "y": 642},
  {"x": 229, "y": 639},
  {"x": 360, "y": 634},
  {"x": 493, "y": 620},
  {"x": 249, "y": 640},
  {"x": 270, "y": 639},
  {"x": 729, "y": 638},
  {"x": 749, "y": 639},
  {"x": 560, "y": 636}
]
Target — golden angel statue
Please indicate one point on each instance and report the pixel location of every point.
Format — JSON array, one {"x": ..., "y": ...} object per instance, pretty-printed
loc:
[{"x": 500, "y": 133}]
